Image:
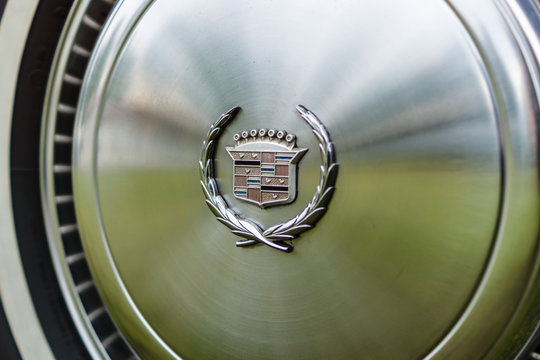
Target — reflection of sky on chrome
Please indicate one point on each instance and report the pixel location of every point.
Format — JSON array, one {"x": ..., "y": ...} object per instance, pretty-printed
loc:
[{"x": 390, "y": 79}]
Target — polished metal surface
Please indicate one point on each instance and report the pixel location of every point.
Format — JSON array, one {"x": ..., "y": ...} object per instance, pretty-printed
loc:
[
  {"x": 432, "y": 229},
  {"x": 94, "y": 325}
]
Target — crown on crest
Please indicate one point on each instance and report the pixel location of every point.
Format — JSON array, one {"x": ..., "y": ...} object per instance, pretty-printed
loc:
[{"x": 267, "y": 135}]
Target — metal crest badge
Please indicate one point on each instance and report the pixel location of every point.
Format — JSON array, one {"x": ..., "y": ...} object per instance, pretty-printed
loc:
[{"x": 264, "y": 168}]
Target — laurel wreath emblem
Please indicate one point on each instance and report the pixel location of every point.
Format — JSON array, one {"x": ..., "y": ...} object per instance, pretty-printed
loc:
[{"x": 277, "y": 235}]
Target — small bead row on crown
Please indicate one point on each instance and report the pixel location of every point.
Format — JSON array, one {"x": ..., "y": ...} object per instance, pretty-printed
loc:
[{"x": 258, "y": 134}]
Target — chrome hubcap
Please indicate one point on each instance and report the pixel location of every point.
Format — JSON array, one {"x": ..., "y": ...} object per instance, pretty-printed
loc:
[{"x": 433, "y": 223}]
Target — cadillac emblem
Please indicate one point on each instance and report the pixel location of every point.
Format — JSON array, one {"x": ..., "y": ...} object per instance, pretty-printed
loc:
[
  {"x": 264, "y": 163},
  {"x": 265, "y": 166}
]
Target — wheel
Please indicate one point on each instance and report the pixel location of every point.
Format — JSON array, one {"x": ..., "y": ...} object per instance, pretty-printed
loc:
[{"x": 263, "y": 180}]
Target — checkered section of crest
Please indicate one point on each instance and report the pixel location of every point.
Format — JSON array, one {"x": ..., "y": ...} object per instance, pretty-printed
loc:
[{"x": 262, "y": 177}]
